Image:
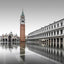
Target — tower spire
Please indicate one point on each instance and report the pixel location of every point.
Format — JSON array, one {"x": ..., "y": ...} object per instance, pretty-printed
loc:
[{"x": 22, "y": 13}]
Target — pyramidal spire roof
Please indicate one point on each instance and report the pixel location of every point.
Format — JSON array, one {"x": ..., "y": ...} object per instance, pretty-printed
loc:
[{"x": 22, "y": 13}]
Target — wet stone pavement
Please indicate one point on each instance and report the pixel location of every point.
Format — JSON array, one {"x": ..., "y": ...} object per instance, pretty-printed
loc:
[
  {"x": 10, "y": 54},
  {"x": 35, "y": 58},
  {"x": 57, "y": 55}
]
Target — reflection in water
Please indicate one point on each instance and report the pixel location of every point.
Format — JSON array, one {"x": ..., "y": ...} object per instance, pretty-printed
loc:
[
  {"x": 9, "y": 46},
  {"x": 52, "y": 53},
  {"x": 22, "y": 50},
  {"x": 10, "y": 53}
]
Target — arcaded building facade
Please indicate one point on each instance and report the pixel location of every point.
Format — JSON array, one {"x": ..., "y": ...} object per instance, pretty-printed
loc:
[
  {"x": 52, "y": 35},
  {"x": 5, "y": 37}
]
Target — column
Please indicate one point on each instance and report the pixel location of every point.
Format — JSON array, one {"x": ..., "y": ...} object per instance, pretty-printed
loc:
[
  {"x": 50, "y": 42},
  {"x": 59, "y": 42},
  {"x": 53, "y": 42},
  {"x": 56, "y": 42}
]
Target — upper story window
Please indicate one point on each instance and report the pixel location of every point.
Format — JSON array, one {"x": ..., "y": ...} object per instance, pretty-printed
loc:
[
  {"x": 54, "y": 26},
  {"x": 61, "y": 23},
  {"x": 47, "y": 34},
  {"x": 51, "y": 33},
  {"x": 58, "y": 25},
  {"x": 45, "y": 28},
  {"x": 57, "y": 32},
  {"x": 49, "y": 27},
  {"x": 61, "y": 31},
  {"x": 43, "y": 34},
  {"x": 54, "y": 33},
  {"x": 42, "y": 30}
]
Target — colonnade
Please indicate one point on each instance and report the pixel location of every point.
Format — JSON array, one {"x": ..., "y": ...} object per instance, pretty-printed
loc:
[
  {"x": 55, "y": 42},
  {"x": 7, "y": 40}
]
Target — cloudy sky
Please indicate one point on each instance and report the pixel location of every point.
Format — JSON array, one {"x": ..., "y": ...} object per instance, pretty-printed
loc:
[{"x": 38, "y": 13}]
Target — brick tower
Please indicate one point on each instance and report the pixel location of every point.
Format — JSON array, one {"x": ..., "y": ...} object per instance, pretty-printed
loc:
[{"x": 22, "y": 28}]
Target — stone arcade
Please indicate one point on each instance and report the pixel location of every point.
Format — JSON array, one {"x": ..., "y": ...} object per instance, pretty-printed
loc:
[{"x": 52, "y": 35}]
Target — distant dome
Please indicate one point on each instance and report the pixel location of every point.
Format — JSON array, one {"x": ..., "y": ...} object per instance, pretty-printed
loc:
[{"x": 11, "y": 33}]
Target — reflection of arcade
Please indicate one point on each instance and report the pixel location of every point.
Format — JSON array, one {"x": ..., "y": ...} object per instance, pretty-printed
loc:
[
  {"x": 9, "y": 46},
  {"x": 22, "y": 50}
]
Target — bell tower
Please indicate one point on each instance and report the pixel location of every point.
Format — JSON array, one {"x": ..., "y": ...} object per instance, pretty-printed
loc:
[{"x": 22, "y": 27}]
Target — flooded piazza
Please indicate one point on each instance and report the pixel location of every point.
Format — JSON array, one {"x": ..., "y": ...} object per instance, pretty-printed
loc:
[
  {"x": 10, "y": 53},
  {"x": 30, "y": 54},
  {"x": 57, "y": 55}
]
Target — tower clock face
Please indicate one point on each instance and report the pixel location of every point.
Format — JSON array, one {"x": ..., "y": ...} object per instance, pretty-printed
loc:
[{"x": 22, "y": 21}]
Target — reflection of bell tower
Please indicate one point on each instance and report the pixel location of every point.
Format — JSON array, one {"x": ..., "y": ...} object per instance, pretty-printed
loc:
[{"x": 22, "y": 27}]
